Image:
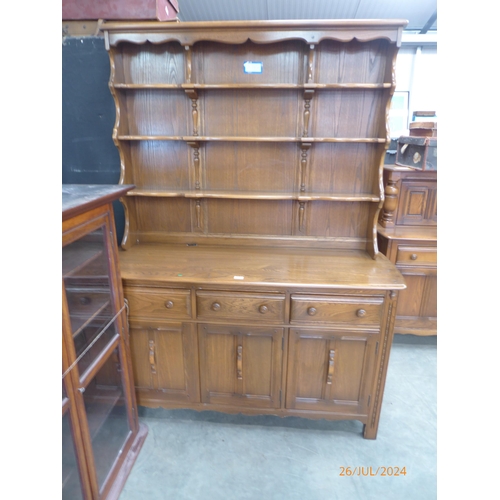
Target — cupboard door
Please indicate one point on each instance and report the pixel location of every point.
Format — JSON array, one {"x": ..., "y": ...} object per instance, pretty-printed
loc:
[
  {"x": 417, "y": 304},
  {"x": 418, "y": 203},
  {"x": 240, "y": 366},
  {"x": 165, "y": 362},
  {"x": 330, "y": 370}
]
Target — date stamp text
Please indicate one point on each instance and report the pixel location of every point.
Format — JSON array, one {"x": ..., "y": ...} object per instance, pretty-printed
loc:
[{"x": 372, "y": 471}]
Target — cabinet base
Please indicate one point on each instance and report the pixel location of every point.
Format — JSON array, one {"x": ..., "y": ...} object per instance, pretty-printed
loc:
[
  {"x": 416, "y": 326},
  {"x": 369, "y": 432}
]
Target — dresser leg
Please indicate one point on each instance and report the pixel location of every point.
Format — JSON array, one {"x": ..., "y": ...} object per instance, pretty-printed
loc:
[{"x": 370, "y": 432}]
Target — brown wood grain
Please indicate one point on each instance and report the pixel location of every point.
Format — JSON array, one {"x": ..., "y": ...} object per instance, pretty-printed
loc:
[{"x": 254, "y": 217}]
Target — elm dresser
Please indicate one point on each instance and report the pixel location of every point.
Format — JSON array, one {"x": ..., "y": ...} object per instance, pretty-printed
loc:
[{"x": 250, "y": 260}]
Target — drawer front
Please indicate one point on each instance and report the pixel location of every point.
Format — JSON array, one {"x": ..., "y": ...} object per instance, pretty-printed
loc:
[
  {"x": 237, "y": 306},
  {"x": 324, "y": 309},
  {"x": 162, "y": 303},
  {"x": 416, "y": 256}
]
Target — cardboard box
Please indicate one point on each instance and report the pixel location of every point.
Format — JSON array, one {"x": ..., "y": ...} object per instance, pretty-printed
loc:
[
  {"x": 167, "y": 10},
  {"x": 419, "y": 153}
]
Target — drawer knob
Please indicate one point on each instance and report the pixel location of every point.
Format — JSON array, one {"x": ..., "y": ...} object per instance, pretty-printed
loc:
[
  {"x": 413, "y": 256},
  {"x": 169, "y": 304},
  {"x": 215, "y": 306},
  {"x": 360, "y": 313},
  {"x": 312, "y": 311},
  {"x": 263, "y": 309}
]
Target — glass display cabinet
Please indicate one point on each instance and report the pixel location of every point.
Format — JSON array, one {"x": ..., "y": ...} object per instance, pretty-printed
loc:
[{"x": 101, "y": 435}]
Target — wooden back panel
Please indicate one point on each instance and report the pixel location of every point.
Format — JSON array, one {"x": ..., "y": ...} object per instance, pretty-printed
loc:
[{"x": 291, "y": 154}]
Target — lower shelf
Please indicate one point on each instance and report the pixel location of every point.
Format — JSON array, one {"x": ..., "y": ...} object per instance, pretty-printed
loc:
[{"x": 416, "y": 326}]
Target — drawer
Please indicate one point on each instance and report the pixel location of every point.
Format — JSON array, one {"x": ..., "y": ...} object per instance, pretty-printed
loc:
[
  {"x": 163, "y": 303},
  {"x": 329, "y": 309},
  {"x": 237, "y": 306},
  {"x": 416, "y": 256}
]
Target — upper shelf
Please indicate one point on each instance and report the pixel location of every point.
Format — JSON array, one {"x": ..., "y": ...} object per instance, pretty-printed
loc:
[
  {"x": 311, "y": 32},
  {"x": 250, "y": 86},
  {"x": 304, "y": 140}
]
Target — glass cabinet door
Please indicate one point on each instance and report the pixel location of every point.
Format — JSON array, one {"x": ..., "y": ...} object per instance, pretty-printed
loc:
[
  {"x": 71, "y": 483},
  {"x": 96, "y": 365},
  {"x": 107, "y": 416},
  {"x": 88, "y": 288}
]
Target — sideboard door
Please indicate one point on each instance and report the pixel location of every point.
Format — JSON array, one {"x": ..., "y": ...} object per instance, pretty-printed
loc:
[
  {"x": 330, "y": 370},
  {"x": 240, "y": 366}
]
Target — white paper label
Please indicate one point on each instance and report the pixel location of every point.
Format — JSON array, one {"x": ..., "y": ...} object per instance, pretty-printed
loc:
[
  {"x": 253, "y": 67},
  {"x": 239, "y": 277}
]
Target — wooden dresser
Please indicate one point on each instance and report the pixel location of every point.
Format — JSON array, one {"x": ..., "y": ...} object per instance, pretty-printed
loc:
[
  {"x": 408, "y": 236},
  {"x": 250, "y": 258}
]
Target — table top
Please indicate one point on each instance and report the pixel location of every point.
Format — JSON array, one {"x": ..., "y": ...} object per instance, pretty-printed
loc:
[{"x": 78, "y": 198}]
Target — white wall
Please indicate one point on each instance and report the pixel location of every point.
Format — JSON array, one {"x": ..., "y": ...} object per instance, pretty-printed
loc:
[{"x": 416, "y": 73}]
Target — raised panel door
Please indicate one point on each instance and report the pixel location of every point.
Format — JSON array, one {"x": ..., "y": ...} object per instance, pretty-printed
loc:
[
  {"x": 418, "y": 203},
  {"x": 330, "y": 370},
  {"x": 165, "y": 362},
  {"x": 240, "y": 366},
  {"x": 417, "y": 304}
]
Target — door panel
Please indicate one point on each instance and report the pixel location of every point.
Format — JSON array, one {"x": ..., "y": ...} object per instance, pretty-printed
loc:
[
  {"x": 240, "y": 366},
  {"x": 165, "y": 360},
  {"x": 330, "y": 370}
]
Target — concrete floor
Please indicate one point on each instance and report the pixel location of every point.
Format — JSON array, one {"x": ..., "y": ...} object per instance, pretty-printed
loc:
[{"x": 212, "y": 456}]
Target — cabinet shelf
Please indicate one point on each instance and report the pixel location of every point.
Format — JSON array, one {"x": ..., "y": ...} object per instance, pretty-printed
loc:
[
  {"x": 81, "y": 321},
  {"x": 256, "y": 195},
  {"x": 99, "y": 408},
  {"x": 369, "y": 140},
  {"x": 79, "y": 256},
  {"x": 250, "y": 86}
]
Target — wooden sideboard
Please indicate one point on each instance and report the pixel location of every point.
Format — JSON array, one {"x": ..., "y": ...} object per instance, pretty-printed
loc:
[
  {"x": 101, "y": 435},
  {"x": 250, "y": 259},
  {"x": 408, "y": 236}
]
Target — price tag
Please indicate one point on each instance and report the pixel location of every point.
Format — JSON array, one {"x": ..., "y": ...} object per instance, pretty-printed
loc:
[{"x": 253, "y": 67}]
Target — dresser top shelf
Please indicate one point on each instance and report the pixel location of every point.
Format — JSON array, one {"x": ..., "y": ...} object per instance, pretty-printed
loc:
[{"x": 182, "y": 265}]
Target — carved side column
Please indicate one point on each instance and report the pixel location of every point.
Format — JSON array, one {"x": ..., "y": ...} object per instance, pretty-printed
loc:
[
  {"x": 305, "y": 146},
  {"x": 391, "y": 191},
  {"x": 308, "y": 93},
  {"x": 192, "y": 94},
  {"x": 302, "y": 211},
  {"x": 195, "y": 146}
]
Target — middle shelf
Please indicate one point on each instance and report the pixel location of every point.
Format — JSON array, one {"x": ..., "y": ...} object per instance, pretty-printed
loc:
[
  {"x": 372, "y": 140},
  {"x": 257, "y": 195}
]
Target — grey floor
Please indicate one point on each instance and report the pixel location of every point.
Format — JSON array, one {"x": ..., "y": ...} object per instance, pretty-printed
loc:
[{"x": 192, "y": 455}]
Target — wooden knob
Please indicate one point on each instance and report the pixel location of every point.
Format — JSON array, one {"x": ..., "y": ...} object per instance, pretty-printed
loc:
[
  {"x": 312, "y": 311},
  {"x": 413, "y": 256},
  {"x": 360, "y": 313},
  {"x": 215, "y": 306},
  {"x": 169, "y": 304},
  {"x": 263, "y": 309}
]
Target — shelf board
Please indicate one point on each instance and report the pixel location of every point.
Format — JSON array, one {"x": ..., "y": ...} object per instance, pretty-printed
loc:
[
  {"x": 250, "y": 86},
  {"x": 146, "y": 86},
  {"x": 370, "y": 140},
  {"x": 338, "y": 197},
  {"x": 77, "y": 256},
  {"x": 197, "y": 194},
  {"x": 149, "y": 137},
  {"x": 81, "y": 321},
  {"x": 254, "y": 195}
]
